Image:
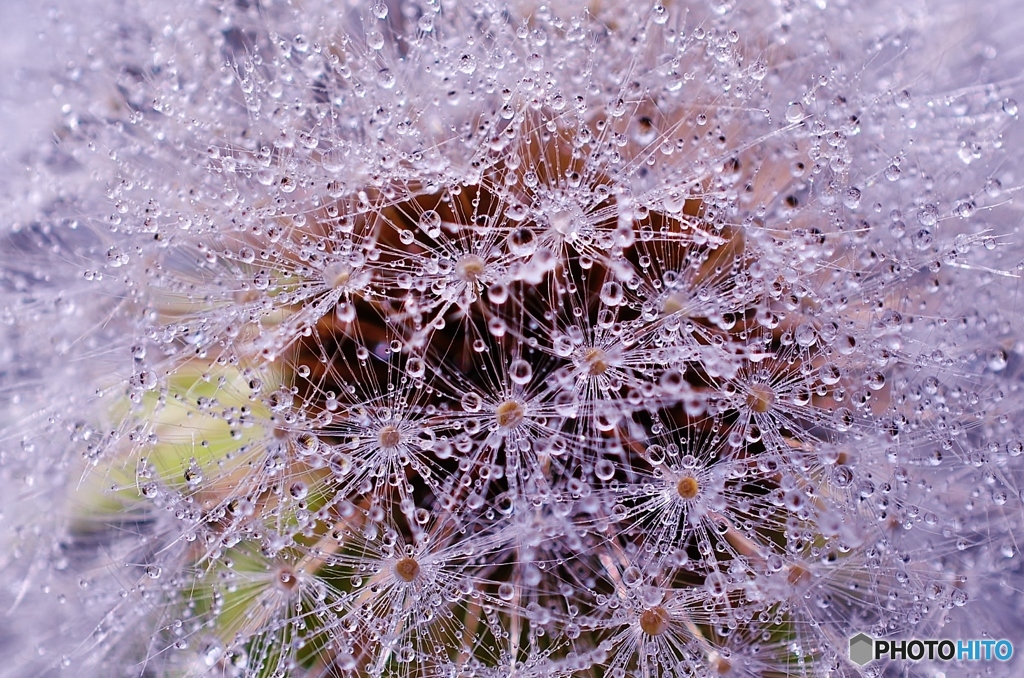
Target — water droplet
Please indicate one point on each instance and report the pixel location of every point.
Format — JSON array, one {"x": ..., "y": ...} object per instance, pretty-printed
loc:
[
  {"x": 144, "y": 381},
  {"x": 340, "y": 464},
  {"x": 116, "y": 257},
  {"x": 193, "y": 474},
  {"x": 805, "y": 335},
  {"x": 386, "y": 78},
  {"x": 928, "y": 215},
  {"x": 306, "y": 443},
  {"x": 996, "y": 360},
  {"x": 922, "y": 239},
  {"x": 611, "y": 293},
  {"x": 467, "y": 64},
  {"x": 522, "y": 242},
  {"x": 497, "y": 293},
  {"x": 333, "y": 160},
  {"x": 851, "y": 198},
  {"x": 415, "y": 367},
  {"x": 632, "y": 576},
  {"x": 795, "y": 112},
  {"x": 843, "y": 419},
  {"x": 471, "y": 402},
  {"x": 213, "y": 652},
  {"x": 562, "y": 346},
  {"x": 842, "y": 476},
  {"x": 430, "y": 222},
  {"x": 965, "y": 209},
  {"x": 298, "y": 490},
  {"x": 374, "y": 39},
  {"x": 604, "y": 469},
  {"x": 497, "y": 327},
  {"x": 716, "y": 584},
  {"x": 520, "y": 371},
  {"x": 346, "y": 312}
]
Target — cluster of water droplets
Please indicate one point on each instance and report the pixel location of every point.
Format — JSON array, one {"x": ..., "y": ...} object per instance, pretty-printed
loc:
[{"x": 480, "y": 341}]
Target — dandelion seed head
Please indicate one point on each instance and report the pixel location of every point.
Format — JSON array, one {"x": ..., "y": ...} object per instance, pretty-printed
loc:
[{"x": 485, "y": 338}]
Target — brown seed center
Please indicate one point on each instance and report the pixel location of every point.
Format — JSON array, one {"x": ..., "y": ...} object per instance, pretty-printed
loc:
[
  {"x": 687, "y": 487},
  {"x": 337, "y": 274},
  {"x": 407, "y": 569},
  {"x": 654, "y": 621},
  {"x": 469, "y": 268},
  {"x": 389, "y": 437},
  {"x": 761, "y": 398},
  {"x": 595, "y": 361},
  {"x": 510, "y": 414},
  {"x": 674, "y": 303}
]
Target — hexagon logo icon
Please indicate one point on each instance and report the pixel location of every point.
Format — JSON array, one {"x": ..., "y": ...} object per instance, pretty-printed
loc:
[{"x": 861, "y": 649}]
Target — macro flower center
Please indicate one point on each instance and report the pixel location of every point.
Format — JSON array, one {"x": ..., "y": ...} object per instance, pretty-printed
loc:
[
  {"x": 760, "y": 398},
  {"x": 389, "y": 437},
  {"x": 674, "y": 303},
  {"x": 654, "y": 621},
  {"x": 407, "y": 569},
  {"x": 595, "y": 361},
  {"x": 687, "y": 487},
  {"x": 469, "y": 268},
  {"x": 337, "y": 275},
  {"x": 286, "y": 579},
  {"x": 510, "y": 414}
]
